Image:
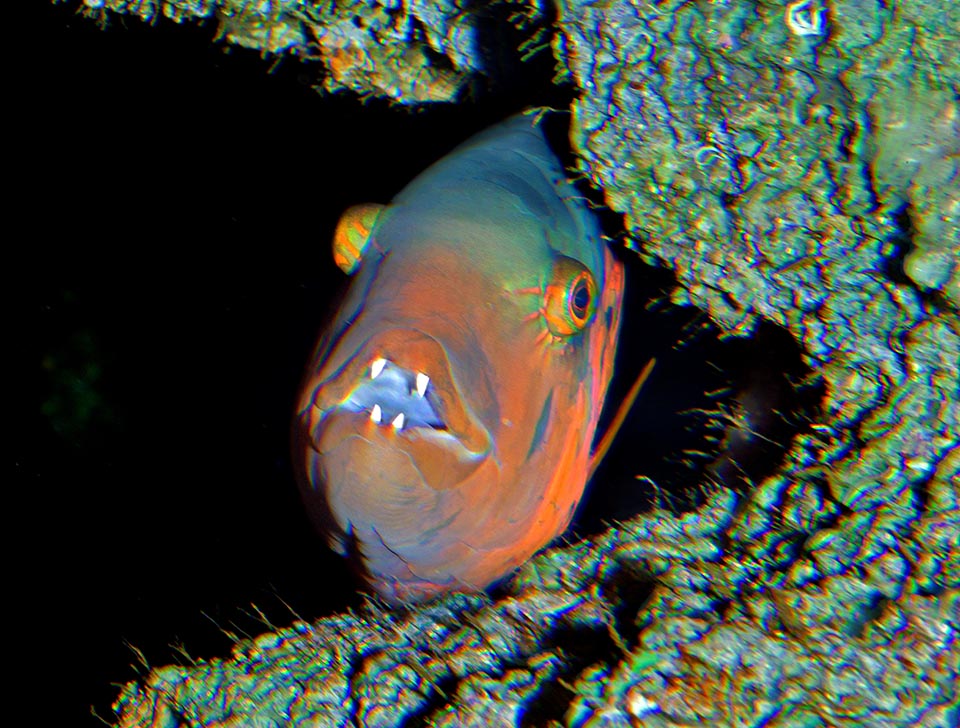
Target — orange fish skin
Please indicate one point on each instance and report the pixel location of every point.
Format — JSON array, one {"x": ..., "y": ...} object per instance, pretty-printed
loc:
[{"x": 488, "y": 275}]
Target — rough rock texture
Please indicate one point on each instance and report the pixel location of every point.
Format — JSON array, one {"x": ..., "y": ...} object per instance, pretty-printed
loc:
[
  {"x": 412, "y": 52},
  {"x": 779, "y": 157}
]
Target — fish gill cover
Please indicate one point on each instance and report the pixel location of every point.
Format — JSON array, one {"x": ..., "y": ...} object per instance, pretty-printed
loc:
[{"x": 792, "y": 162}]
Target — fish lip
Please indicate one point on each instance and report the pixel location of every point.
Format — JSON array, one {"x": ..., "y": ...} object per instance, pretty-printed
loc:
[{"x": 415, "y": 351}]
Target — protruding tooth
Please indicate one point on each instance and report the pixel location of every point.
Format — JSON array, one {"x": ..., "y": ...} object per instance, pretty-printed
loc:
[
  {"x": 422, "y": 381},
  {"x": 377, "y": 367},
  {"x": 398, "y": 422},
  {"x": 376, "y": 414}
]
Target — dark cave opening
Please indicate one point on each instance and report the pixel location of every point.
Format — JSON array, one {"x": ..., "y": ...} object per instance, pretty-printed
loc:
[{"x": 717, "y": 412}]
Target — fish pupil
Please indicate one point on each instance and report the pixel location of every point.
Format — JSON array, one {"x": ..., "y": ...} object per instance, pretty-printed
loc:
[{"x": 580, "y": 300}]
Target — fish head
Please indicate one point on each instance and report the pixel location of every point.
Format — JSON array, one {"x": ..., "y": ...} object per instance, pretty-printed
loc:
[{"x": 444, "y": 427}]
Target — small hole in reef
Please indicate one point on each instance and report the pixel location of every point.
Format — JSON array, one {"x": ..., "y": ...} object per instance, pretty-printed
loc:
[
  {"x": 895, "y": 253},
  {"x": 898, "y": 248}
]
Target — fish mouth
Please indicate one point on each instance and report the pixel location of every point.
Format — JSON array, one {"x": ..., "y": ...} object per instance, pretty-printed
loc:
[
  {"x": 399, "y": 388},
  {"x": 402, "y": 397}
]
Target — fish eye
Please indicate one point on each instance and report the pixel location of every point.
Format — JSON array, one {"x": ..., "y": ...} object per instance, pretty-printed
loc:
[{"x": 569, "y": 297}]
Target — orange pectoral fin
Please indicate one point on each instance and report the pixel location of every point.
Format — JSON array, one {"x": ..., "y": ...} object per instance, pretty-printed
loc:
[
  {"x": 352, "y": 235},
  {"x": 617, "y": 422}
]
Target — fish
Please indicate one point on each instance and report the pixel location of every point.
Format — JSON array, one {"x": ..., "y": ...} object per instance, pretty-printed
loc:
[{"x": 444, "y": 428}]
